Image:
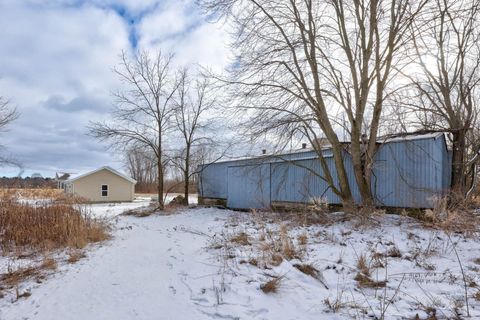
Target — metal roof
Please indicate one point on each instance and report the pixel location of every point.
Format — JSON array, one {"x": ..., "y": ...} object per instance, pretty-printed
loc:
[{"x": 381, "y": 139}]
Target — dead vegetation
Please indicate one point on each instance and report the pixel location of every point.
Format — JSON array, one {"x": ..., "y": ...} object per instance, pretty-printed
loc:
[
  {"x": 362, "y": 265},
  {"x": 75, "y": 256},
  {"x": 47, "y": 226},
  {"x": 32, "y": 193},
  {"x": 271, "y": 286},
  {"x": 310, "y": 270},
  {"x": 273, "y": 240},
  {"x": 453, "y": 213},
  {"x": 13, "y": 277},
  {"x": 240, "y": 239},
  {"x": 367, "y": 282}
]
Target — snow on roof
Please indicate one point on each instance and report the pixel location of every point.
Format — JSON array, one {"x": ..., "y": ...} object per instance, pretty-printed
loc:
[
  {"x": 410, "y": 137},
  {"x": 81, "y": 175}
]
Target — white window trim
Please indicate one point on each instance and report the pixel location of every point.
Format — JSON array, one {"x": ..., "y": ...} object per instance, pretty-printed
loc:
[{"x": 101, "y": 190}]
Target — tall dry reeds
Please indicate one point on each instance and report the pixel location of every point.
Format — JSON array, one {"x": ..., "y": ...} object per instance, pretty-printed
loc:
[
  {"x": 32, "y": 193},
  {"x": 47, "y": 226}
]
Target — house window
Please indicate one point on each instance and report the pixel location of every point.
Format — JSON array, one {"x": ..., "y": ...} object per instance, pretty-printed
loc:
[{"x": 104, "y": 190}]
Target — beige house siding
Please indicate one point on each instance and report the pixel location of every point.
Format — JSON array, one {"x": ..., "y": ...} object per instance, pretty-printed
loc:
[{"x": 90, "y": 187}]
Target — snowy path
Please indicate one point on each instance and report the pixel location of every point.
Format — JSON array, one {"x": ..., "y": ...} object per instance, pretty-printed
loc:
[
  {"x": 145, "y": 272},
  {"x": 168, "y": 267}
]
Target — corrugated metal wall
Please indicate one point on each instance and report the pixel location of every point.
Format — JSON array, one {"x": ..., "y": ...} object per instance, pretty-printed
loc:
[
  {"x": 407, "y": 173},
  {"x": 410, "y": 173},
  {"x": 249, "y": 186}
]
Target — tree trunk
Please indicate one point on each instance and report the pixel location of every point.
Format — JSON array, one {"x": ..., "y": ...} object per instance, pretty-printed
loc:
[
  {"x": 345, "y": 193},
  {"x": 161, "y": 204},
  {"x": 359, "y": 162},
  {"x": 187, "y": 175},
  {"x": 458, "y": 163}
]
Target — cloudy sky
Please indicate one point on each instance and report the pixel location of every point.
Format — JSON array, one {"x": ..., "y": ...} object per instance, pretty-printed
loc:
[{"x": 56, "y": 68}]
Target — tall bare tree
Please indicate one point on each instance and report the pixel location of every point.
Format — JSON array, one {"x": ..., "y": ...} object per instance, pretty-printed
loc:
[
  {"x": 445, "y": 95},
  {"x": 193, "y": 100},
  {"x": 303, "y": 64},
  {"x": 7, "y": 115},
  {"x": 141, "y": 165},
  {"x": 142, "y": 114}
]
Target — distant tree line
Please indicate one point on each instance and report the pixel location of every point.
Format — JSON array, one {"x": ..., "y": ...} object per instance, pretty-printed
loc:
[{"x": 27, "y": 182}]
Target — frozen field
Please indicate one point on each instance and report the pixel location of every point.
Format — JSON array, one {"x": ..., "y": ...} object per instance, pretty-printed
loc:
[{"x": 191, "y": 265}]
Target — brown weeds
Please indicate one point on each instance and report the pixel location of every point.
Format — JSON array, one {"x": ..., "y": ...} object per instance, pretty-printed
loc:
[
  {"x": 362, "y": 265},
  {"x": 303, "y": 239},
  {"x": 74, "y": 256},
  {"x": 394, "y": 252},
  {"x": 241, "y": 239},
  {"x": 288, "y": 249},
  {"x": 271, "y": 286},
  {"x": 367, "y": 282},
  {"x": 276, "y": 260},
  {"x": 47, "y": 226}
]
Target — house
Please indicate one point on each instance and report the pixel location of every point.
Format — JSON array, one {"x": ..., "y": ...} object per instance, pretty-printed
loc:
[
  {"x": 102, "y": 185},
  {"x": 410, "y": 171}
]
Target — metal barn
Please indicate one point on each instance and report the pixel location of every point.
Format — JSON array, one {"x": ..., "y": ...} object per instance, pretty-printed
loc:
[{"x": 409, "y": 172}]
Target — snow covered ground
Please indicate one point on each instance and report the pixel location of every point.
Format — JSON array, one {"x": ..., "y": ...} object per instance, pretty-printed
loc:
[{"x": 186, "y": 266}]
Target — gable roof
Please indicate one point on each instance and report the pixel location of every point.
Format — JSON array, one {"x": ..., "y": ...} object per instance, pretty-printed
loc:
[{"x": 121, "y": 175}]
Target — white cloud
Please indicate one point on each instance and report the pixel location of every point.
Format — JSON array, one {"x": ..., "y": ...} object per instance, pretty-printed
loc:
[
  {"x": 181, "y": 29},
  {"x": 57, "y": 57}
]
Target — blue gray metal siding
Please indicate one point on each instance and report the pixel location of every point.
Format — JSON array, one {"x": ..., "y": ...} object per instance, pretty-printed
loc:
[
  {"x": 410, "y": 173},
  {"x": 301, "y": 181},
  {"x": 249, "y": 186},
  {"x": 213, "y": 181}
]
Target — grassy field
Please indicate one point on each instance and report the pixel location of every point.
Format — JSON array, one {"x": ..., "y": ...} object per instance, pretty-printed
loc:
[
  {"x": 32, "y": 193},
  {"x": 35, "y": 235}
]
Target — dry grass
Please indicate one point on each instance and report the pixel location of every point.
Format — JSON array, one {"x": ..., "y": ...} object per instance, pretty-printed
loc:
[
  {"x": 253, "y": 262},
  {"x": 74, "y": 256},
  {"x": 476, "y": 296},
  {"x": 394, "y": 252},
  {"x": 241, "y": 239},
  {"x": 303, "y": 239},
  {"x": 47, "y": 226},
  {"x": 141, "y": 212},
  {"x": 271, "y": 286},
  {"x": 362, "y": 265},
  {"x": 49, "y": 263},
  {"x": 13, "y": 277},
  {"x": 453, "y": 213},
  {"x": 308, "y": 269},
  {"x": 276, "y": 260},
  {"x": 367, "y": 282},
  {"x": 288, "y": 250},
  {"x": 44, "y": 193}
]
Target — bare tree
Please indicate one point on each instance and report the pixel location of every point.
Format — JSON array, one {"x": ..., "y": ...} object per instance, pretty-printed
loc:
[
  {"x": 7, "y": 115},
  {"x": 445, "y": 95},
  {"x": 303, "y": 65},
  {"x": 143, "y": 111},
  {"x": 194, "y": 99},
  {"x": 141, "y": 165}
]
